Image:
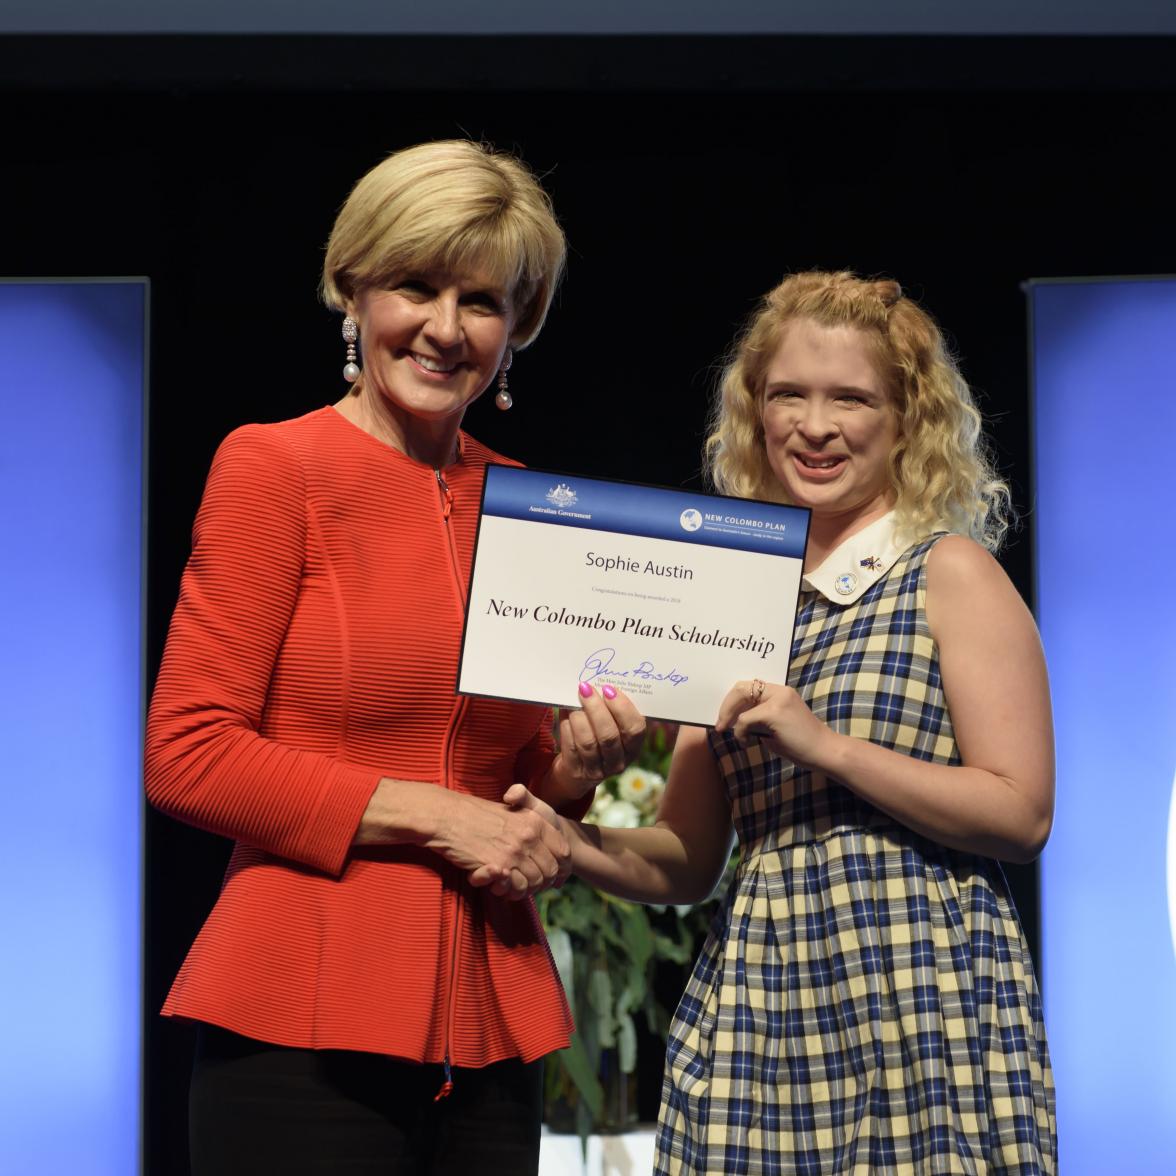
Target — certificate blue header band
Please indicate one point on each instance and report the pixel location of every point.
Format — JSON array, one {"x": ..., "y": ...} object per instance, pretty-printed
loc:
[{"x": 652, "y": 512}]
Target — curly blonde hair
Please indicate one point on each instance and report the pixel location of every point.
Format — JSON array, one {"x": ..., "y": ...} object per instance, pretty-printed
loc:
[
  {"x": 451, "y": 204},
  {"x": 940, "y": 469}
]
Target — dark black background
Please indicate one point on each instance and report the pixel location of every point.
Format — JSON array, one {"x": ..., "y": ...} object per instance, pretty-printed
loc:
[{"x": 689, "y": 174}]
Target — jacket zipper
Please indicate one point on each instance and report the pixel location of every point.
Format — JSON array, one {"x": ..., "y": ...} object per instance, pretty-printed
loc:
[{"x": 446, "y": 780}]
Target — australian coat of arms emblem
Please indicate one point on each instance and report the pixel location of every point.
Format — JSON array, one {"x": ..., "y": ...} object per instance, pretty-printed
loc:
[{"x": 561, "y": 495}]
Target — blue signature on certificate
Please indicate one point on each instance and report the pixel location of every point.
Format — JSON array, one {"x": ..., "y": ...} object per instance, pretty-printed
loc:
[{"x": 600, "y": 662}]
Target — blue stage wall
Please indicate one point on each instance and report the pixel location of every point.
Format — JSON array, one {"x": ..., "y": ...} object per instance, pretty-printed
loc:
[
  {"x": 1104, "y": 376},
  {"x": 72, "y": 376}
]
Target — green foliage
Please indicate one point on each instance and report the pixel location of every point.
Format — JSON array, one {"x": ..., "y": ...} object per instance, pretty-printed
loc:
[{"x": 607, "y": 951}]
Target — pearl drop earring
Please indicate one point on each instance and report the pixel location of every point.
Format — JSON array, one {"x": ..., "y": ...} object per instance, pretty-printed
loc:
[
  {"x": 504, "y": 399},
  {"x": 350, "y": 337}
]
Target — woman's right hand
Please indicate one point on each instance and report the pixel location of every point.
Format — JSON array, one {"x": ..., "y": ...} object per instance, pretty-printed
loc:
[
  {"x": 492, "y": 841},
  {"x": 521, "y": 799},
  {"x": 511, "y": 848}
]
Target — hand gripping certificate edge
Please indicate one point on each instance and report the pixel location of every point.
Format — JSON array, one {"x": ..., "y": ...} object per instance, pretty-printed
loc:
[{"x": 561, "y": 477}]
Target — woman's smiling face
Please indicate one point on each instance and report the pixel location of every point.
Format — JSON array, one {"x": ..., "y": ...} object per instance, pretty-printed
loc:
[
  {"x": 829, "y": 422},
  {"x": 434, "y": 341}
]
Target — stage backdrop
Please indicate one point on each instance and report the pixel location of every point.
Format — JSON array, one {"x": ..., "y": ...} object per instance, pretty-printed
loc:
[
  {"x": 72, "y": 377},
  {"x": 1104, "y": 381}
]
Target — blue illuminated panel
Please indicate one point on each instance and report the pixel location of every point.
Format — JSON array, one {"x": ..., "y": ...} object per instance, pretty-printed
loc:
[
  {"x": 1105, "y": 420},
  {"x": 71, "y": 479}
]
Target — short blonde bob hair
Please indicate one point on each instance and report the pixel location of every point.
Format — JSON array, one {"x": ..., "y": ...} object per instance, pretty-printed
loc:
[
  {"x": 451, "y": 205},
  {"x": 940, "y": 468}
]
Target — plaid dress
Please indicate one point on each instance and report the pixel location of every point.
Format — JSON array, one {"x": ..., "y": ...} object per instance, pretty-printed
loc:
[{"x": 865, "y": 1001}]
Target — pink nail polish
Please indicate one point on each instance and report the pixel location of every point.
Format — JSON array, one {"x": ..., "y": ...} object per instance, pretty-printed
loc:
[
  {"x": 585, "y": 690},
  {"x": 608, "y": 691}
]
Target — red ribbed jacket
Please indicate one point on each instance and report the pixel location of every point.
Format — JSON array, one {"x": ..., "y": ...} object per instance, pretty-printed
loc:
[{"x": 313, "y": 650}]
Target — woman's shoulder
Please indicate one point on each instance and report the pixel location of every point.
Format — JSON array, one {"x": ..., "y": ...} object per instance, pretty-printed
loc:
[
  {"x": 962, "y": 574},
  {"x": 306, "y": 427},
  {"x": 474, "y": 452},
  {"x": 271, "y": 457},
  {"x": 942, "y": 549},
  {"x": 286, "y": 442},
  {"x": 277, "y": 434},
  {"x": 946, "y": 570},
  {"x": 951, "y": 556}
]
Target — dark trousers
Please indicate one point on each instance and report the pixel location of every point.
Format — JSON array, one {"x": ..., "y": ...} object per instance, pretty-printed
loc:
[{"x": 257, "y": 1108}]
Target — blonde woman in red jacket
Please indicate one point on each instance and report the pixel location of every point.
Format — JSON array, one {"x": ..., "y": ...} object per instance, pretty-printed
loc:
[{"x": 369, "y": 998}]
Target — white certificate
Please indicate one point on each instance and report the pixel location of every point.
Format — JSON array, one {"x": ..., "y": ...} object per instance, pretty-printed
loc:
[{"x": 669, "y": 595}]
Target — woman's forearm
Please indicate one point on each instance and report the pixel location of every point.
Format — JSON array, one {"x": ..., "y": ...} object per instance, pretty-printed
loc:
[
  {"x": 999, "y": 801},
  {"x": 403, "y": 812},
  {"x": 651, "y": 865},
  {"x": 966, "y": 808},
  {"x": 497, "y": 842},
  {"x": 681, "y": 857}
]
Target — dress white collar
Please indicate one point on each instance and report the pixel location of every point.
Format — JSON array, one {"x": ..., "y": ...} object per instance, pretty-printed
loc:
[{"x": 855, "y": 566}]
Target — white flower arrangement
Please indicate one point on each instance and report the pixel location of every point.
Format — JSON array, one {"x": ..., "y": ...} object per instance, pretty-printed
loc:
[{"x": 642, "y": 788}]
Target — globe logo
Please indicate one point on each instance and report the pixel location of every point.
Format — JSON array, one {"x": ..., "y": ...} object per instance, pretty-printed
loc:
[{"x": 690, "y": 519}]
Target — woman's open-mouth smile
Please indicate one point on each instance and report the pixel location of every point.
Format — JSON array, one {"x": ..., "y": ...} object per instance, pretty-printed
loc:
[
  {"x": 430, "y": 365},
  {"x": 819, "y": 467}
]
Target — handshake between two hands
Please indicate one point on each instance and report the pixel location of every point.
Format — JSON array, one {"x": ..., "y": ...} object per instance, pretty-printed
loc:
[
  {"x": 535, "y": 844},
  {"x": 532, "y": 849}
]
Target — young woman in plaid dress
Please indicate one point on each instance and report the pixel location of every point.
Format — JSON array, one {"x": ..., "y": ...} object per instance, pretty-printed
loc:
[{"x": 865, "y": 1001}]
